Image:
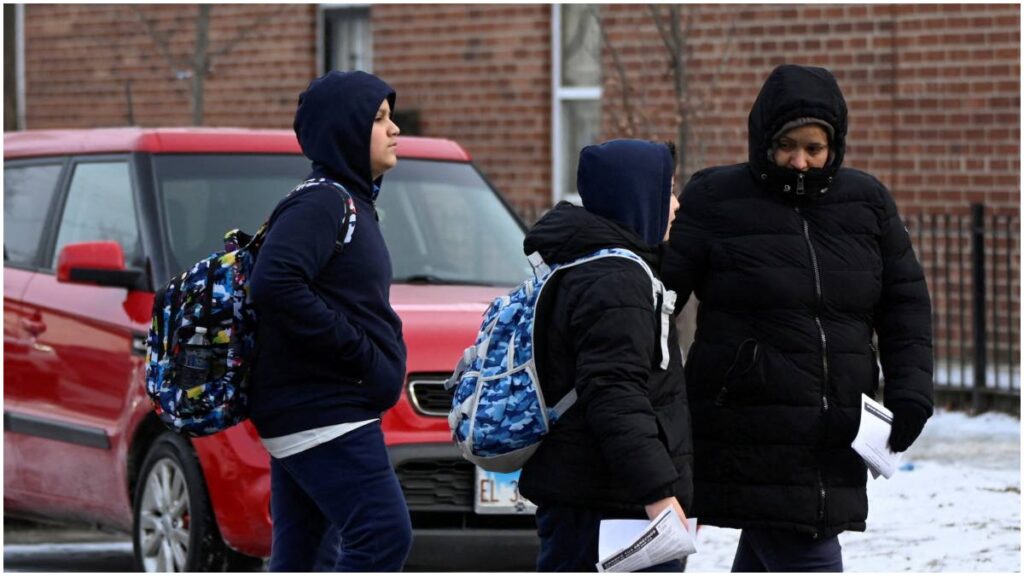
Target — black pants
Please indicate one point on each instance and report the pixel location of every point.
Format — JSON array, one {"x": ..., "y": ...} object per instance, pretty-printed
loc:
[
  {"x": 568, "y": 540},
  {"x": 762, "y": 550},
  {"x": 343, "y": 490}
]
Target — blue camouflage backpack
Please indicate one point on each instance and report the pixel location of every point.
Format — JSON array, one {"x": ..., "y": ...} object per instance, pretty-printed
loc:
[
  {"x": 202, "y": 341},
  {"x": 499, "y": 414}
]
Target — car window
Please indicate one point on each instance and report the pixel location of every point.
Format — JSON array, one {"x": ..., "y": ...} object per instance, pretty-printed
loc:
[
  {"x": 442, "y": 222},
  {"x": 100, "y": 206},
  {"x": 206, "y": 195},
  {"x": 28, "y": 191}
]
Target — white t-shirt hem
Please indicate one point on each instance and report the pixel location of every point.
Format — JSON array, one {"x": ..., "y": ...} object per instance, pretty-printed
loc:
[{"x": 291, "y": 444}]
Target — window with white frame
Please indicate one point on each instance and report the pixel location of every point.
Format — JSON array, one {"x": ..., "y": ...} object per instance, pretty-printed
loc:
[
  {"x": 576, "y": 91},
  {"x": 346, "y": 40},
  {"x": 14, "y": 67}
]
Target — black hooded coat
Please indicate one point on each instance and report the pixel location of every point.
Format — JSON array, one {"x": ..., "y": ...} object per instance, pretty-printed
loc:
[
  {"x": 794, "y": 273},
  {"x": 330, "y": 345},
  {"x": 626, "y": 441}
]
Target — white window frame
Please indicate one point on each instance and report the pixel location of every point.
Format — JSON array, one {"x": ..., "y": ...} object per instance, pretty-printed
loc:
[
  {"x": 559, "y": 95},
  {"x": 19, "y": 63},
  {"x": 321, "y": 29}
]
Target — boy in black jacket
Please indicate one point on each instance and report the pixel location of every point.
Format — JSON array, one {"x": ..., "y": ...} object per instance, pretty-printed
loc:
[
  {"x": 623, "y": 450},
  {"x": 331, "y": 355}
]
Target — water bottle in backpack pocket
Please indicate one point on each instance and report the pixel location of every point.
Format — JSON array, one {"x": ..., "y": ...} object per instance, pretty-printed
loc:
[
  {"x": 197, "y": 363},
  {"x": 202, "y": 341}
]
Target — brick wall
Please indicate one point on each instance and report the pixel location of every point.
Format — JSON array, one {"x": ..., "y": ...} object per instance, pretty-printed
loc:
[
  {"x": 479, "y": 74},
  {"x": 80, "y": 59},
  {"x": 934, "y": 99},
  {"x": 933, "y": 90}
]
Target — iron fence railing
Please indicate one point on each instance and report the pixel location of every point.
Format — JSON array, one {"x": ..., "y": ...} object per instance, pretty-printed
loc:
[{"x": 972, "y": 265}]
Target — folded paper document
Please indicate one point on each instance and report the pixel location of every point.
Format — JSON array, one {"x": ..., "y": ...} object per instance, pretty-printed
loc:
[
  {"x": 872, "y": 441},
  {"x": 631, "y": 545}
]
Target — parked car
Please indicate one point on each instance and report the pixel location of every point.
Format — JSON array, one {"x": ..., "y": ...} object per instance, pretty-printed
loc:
[{"x": 94, "y": 220}]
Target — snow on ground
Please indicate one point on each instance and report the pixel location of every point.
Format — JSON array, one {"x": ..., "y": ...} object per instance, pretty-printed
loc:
[
  {"x": 1002, "y": 376},
  {"x": 957, "y": 509}
]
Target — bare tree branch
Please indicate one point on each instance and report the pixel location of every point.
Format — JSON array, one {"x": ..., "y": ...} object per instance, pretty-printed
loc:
[
  {"x": 578, "y": 35},
  {"x": 730, "y": 43},
  {"x": 680, "y": 86},
  {"x": 162, "y": 45},
  {"x": 689, "y": 21},
  {"x": 663, "y": 30},
  {"x": 679, "y": 40},
  {"x": 624, "y": 84},
  {"x": 255, "y": 28},
  {"x": 200, "y": 63},
  {"x": 197, "y": 67}
]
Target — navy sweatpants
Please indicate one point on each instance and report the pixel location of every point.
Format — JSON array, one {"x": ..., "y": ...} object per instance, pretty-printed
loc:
[
  {"x": 568, "y": 540},
  {"x": 763, "y": 550},
  {"x": 345, "y": 486}
]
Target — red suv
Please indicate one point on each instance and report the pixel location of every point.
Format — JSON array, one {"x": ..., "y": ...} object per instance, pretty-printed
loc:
[{"x": 94, "y": 220}]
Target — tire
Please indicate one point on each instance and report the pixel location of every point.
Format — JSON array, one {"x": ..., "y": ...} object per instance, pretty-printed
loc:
[{"x": 173, "y": 526}]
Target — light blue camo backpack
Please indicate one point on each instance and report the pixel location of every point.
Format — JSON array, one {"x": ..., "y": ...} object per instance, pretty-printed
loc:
[{"x": 499, "y": 415}]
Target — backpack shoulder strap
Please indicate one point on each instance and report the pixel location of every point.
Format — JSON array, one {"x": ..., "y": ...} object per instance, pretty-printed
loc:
[
  {"x": 663, "y": 300},
  {"x": 348, "y": 220}
]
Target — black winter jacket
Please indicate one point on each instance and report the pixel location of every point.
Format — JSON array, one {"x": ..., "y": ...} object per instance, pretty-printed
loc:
[
  {"x": 794, "y": 273},
  {"x": 626, "y": 441}
]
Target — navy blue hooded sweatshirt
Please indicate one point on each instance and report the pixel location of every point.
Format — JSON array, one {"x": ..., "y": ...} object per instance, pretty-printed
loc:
[
  {"x": 330, "y": 345},
  {"x": 608, "y": 171}
]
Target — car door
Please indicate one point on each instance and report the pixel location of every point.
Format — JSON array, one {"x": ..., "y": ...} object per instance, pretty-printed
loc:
[
  {"x": 90, "y": 351},
  {"x": 29, "y": 191}
]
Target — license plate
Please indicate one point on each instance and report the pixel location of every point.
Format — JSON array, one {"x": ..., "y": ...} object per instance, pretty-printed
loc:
[{"x": 498, "y": 493}]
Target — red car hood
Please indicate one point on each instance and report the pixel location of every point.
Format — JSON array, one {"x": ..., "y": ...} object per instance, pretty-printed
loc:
[{"x": 440, "y": 322}]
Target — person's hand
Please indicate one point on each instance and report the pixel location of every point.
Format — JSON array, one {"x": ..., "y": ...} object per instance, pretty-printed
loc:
[
  {"x": 908, "y": 420},
  {"x": 655, "y": 508}
]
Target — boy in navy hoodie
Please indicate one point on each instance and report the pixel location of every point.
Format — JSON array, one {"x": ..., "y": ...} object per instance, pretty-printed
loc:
[{"x": 332, "y": 358}]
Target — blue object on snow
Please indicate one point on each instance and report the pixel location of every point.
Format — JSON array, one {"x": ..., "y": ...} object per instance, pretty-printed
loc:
[{"x": 907, "y": 466}]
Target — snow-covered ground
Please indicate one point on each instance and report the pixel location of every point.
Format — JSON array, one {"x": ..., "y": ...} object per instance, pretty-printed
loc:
[
  {"x": 1002, "y": 376},
  {"x": 957, "y": 509}
]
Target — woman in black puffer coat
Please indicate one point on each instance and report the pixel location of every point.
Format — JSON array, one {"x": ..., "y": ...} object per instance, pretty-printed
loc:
[{"x": 797, "y": 262}]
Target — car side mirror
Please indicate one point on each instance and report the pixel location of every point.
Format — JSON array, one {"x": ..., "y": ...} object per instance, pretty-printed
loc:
[{"x": 99, "y": 264}]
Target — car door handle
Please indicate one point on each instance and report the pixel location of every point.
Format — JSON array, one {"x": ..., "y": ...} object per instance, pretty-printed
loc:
[{"x": 33, "y": 327}]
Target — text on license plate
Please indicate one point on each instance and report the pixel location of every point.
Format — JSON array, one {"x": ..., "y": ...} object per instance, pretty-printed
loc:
[{"x": 498, "y": 493}]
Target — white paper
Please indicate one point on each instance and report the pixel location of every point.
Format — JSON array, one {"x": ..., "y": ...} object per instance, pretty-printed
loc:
[
  {"x": 631, "y": 545},
  {"x": 872, "y": 441}
]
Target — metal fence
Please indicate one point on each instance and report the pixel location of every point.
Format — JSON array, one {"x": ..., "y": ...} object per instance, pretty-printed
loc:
[{"x": 972, "y": 265}]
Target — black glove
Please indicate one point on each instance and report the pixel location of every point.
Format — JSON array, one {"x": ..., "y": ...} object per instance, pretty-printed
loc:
[{"x": 908, "y": 420}]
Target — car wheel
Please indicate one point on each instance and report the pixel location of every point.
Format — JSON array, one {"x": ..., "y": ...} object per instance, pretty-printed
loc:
[{"x": 174, "y": 529}]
